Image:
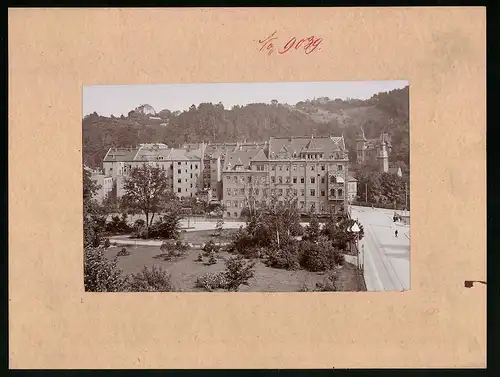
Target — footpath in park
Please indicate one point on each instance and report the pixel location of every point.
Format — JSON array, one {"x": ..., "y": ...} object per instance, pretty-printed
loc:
[{"x": 386, "y": 257}]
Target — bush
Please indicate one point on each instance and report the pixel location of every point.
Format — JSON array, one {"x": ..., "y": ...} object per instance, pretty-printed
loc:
[
  {"x": 173, "y": 250},
  {"x": 212, "y": 259},
  {"x": 101, "y": 274},
  {"x": 286, "y": 256},
  {"x": 211, "y": 281},
  {"x": 319, "y": 256},
  {"x": 329, "y": 284},
  {"x": 118, "y": 225},
  {"x": 210, "y": 247},
  {"x": 107, "y": 243},
  {"x": 154, "y": 279},
  {"x": 238, "y": 272},
  {"x": 123, "y": 252},
  {"x": 199, "y": 258}
]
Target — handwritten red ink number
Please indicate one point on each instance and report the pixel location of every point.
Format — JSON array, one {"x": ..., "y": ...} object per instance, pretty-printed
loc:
[{"x": 309, "y": 44}]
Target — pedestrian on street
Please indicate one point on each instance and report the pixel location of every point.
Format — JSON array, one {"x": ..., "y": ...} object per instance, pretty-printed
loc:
[{"x": 396, "y": 233}]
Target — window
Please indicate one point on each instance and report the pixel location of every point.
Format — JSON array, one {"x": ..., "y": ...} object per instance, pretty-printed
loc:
[
  {"x": 273, "y": 168},
  {"x": 280, "y": 179},
  {"x": 266, "y": 167},
  {"x": 302, "y": 192},
  {"x": 263, "y": 180},
  {"x": 179, "y": 189},
  {"x": 235, "y": 191},
  {"x": 301, "y": 179},
  {"x": 179, "y": 163},
  {"x": 294, "y": 167},
  {"x": 229, "y": 214},
  {"x": 312, "y": 167},
  {"x": 313, "y": 180},
  {"x": 301, "y": 205},
  {"x": 287, "y": 179},
  {"x": 332, "y": 192},
  {"x": 287, "y": 168},
  {"x": 235, "y": 179},
  {"x": 191, "y": 175},
  {"x": 228, "y": 178},
  {"x": 242, "y": 179},
  {"x": 249, "y": 179},
  {"x": 191, "y": 166},
  {"x": 294, "y": 179},
  {"x": 228, "y": 203},
  {"x": 280, "y": 192},
  {"x": 313, "y": 192},
  {"x": 236, "y": 214},
  {"x": 179, "y": 181},
  {"x": 332, "y": 179},
  {"x": 196, "y": 166},
  {"x": 280, "y": 168},
  {"x": 186, "y": 180},
  {"x": 340, "y": 193},
  {"x": 273, "y": 179},
  {"x": 186, "y": 190},
  {"x": 229, "y": 192},
  {"x": 236, "y": 204},
  {"x": 322, "y": 207},
  {"x": 322, "y": 192},
  {"x": 322, "y": 167},
  {"x": 339, "y": 167},
  {"x": 179, "y": 171},
  {"x": 302, "y": 166},
  {"x": 191, "y": 185},
  {"x": 295, "y": 192},
  {"x": 242, "y": 191},
  {"x": 322, "y": 179}
]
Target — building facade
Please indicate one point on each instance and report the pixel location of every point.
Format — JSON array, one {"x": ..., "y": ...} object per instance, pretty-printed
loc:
[{"x": 311, "y": 170}]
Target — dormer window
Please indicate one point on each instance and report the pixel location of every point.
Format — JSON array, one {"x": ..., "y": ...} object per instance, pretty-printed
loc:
[{"x": 160, "y": 157}]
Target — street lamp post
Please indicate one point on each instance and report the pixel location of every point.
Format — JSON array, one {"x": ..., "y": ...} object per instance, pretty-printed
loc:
[{"x": 355, "y": 229}]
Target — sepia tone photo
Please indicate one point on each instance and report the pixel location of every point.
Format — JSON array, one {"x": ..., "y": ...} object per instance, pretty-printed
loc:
[{"x": 249, "y": 187}]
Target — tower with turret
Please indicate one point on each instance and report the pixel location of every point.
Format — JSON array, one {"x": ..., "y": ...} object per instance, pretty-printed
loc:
[
  {"x": 383, "y": 158},
  {"x": 360, "y": 146}
]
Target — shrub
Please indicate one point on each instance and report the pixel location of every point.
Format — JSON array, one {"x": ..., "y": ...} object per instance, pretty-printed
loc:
[
  {"x": 329, "y": 284},
  {"x": 107, "y": 243},
  {"x": 238, "y": 272},
  {"x": 210, "y": 247},
  {"x": 118, "y": 225},
  {"x": 211, "y": 281},
  {"x": 101, "y": 274},
  {"x": 199, "y": 258},
  {"x": 154, "y": 279},
  {"x": 287, "y": 256},
  {"x": 173, "y": 250},
  {"x": 319, "y": 256},
  {"x": 212, "y": 259},
  {"x": 123, "y": 252}
]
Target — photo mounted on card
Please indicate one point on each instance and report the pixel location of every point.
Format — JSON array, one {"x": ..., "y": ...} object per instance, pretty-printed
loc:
[
  {"x": 233, "y": 187},
  {"x": 255, "y": 187}
]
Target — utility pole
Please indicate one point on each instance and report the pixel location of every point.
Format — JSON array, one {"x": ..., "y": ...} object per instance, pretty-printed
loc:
[{"x": 406, "y": 197}]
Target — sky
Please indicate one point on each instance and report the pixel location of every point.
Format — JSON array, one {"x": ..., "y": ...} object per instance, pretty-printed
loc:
[{"x": 116, "y": 100}]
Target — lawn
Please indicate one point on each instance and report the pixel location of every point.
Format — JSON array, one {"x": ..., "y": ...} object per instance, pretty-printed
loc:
[{"x": 266, "y": 279}]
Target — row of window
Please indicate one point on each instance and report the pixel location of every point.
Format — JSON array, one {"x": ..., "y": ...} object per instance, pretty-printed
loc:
[
  {"x": 280, "y": 192},
  {"x": 294, "y": 167},
  {"x": 279, "y": 179},
  {"x": 242, "y": 204}
]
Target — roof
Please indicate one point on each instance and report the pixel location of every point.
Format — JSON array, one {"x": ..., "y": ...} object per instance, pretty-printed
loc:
[
  {"x": 240, "y": 158},
  {"x": 291, "y": 145}
]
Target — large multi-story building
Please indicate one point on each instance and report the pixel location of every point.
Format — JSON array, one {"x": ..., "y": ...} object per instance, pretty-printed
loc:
[{"x": 313, "y": 170}]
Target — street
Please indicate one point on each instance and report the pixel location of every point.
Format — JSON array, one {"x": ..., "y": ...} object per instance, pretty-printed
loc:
[{"x": 386, "y": 258}]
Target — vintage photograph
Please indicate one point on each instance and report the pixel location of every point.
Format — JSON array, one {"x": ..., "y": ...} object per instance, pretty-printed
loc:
[{"x": 246, "y": 187}]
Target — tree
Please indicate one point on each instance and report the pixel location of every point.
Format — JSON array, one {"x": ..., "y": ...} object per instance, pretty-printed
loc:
[
  {"x": 238, "y": 272},
  {"x": 147, "y": 191},
  {"x": 219, "y": 227},
  {"x": 313, "y": 230},
  {"x": 94, "y": 217},
  {"x": 101, "y": 274}
]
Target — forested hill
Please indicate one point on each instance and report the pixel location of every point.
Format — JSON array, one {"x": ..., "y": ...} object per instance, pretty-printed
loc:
[{"x": 258, "y": 121}]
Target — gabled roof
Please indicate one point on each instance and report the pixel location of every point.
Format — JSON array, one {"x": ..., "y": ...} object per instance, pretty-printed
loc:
[
  {"x": 294, "y": 144},
  {"x": 240, "y": 158}
]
